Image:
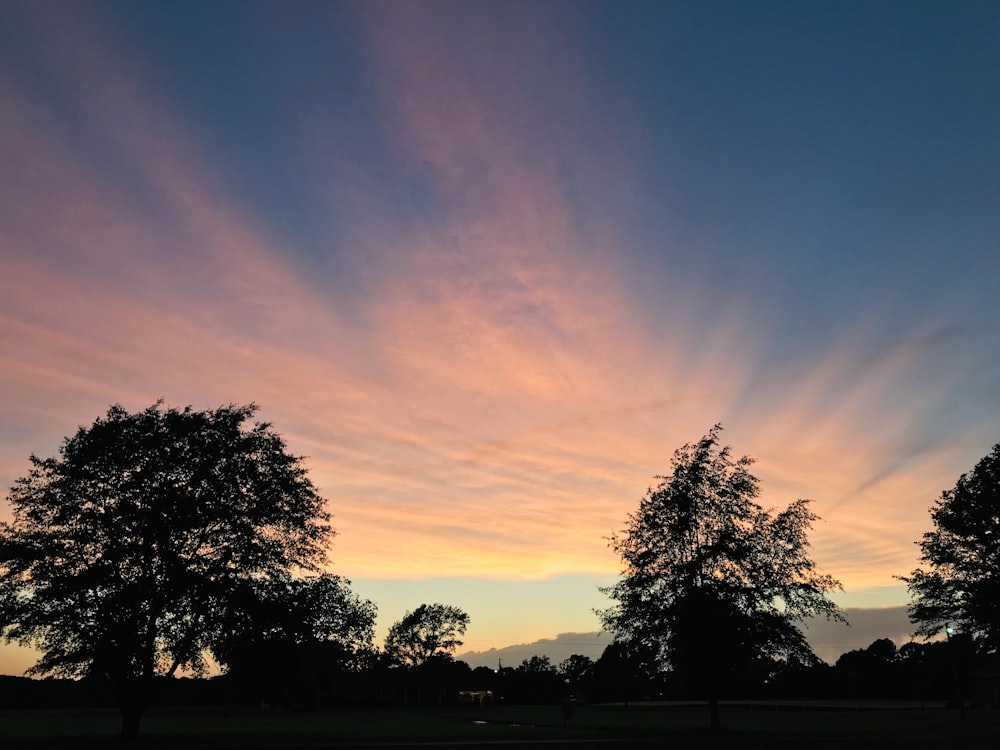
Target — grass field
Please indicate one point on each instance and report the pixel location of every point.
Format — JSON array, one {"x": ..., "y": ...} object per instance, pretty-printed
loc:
[{"x": 851, "y": 726}]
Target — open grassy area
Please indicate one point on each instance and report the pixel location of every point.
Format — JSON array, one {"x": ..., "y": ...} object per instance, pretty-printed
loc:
[{"x": 854, "y": 726}]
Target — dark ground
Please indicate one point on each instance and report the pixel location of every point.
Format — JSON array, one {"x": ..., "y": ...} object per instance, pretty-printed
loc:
[{"x": 847, "y": 726}]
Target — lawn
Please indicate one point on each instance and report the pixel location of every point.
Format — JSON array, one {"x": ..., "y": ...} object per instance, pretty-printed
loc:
[{"x": 854, "y": 726}]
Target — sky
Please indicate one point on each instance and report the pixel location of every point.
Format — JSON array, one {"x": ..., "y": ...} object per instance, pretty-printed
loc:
[{"x": 485, "y": 266}]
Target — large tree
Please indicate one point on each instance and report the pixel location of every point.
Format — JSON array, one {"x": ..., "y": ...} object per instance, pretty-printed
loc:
[
  {"x": 129, "y": 552},
  {"x": 713, "y": 583},
  {"x": 431, "y": 631},
  {"x": 960, "y": 583}
]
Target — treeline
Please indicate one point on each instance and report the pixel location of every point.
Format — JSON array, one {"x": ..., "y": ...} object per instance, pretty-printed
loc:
[
  {"x": 158, "y": 543},
  {"x": 948, "y": 671}
]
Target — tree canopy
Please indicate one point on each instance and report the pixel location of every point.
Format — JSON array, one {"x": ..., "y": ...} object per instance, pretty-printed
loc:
[
  {"x": 713, "y": 582},
  {"x": 576, "y": 667},
  {"x": 301, "y": 610},
  {"x": 959, "y": 582},
  {"x": 286, "y": 638},
  {"x": 430, "y": 631},
  {"x": 130, "y": 551}
]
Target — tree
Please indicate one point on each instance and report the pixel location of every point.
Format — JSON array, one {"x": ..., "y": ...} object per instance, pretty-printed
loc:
[
  {"x": 535, "y": 681},
  {"x": 871, "y": 672},
  {"x": 430, "y": 631},
  {"x": 536, "y": 665},
  {"x": 577, "y": 673},
  {"x": 576, "y": 668},
  {"x": 287, "y": 638},
  {"x": 301, "y": 610},
  {"x": 626, "y": 670},
  {"x": 960, "y": 584},
  {"x": 130, "y": 552},
  {"x": 712, "y": 582}
]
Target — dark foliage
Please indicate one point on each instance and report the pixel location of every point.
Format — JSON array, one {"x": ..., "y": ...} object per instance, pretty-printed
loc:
[
  {"x": 292, "y": 641},
  {"x": 430, "y": 631},
  {"x": 626, "y": 671},
  {"x": 714, "y": 585},
  {"x": 130, "y": 552},
  {"x": 960, "y": 583},
  {"x": 534, "y": 681}
]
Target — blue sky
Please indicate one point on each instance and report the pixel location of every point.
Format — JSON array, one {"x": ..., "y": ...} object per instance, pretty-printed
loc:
[{"x": 488, "y": 264}]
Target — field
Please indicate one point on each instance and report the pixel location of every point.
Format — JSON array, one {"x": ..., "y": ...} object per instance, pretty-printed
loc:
[{"x": 855, "y": 726}]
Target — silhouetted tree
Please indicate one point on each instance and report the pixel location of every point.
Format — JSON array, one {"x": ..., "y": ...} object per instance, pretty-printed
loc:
[
  {"x": 961, "y": 581},
  {"x": 431, "y": 630},
  {"x": 926, "y": 669},
  {"x": 800, "y": 679},
  {"x": 536, "y": 665},
  {"x": 870, "y": 672},
  {"x": 129, "y": 551},
  {"x": 535, "y": 680},
  {"x": 626, "y": 670},
  {"x": 289, "y": 637},
  {"x": 484, "y": 678},
  {"x": 713, "y": 582},
  {"x": 576, "y": 668},
  {"x": 577, "y": 675}
]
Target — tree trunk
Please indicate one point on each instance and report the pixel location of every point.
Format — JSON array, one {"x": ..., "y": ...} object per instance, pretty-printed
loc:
[
  {"x": 131, "y": 712},
  {"x": 713, "y": 711},
  {"x": 133, "y": 695}
]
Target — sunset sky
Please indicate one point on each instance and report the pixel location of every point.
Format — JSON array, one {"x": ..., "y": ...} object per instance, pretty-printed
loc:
[{"x": 487, "y": 265}]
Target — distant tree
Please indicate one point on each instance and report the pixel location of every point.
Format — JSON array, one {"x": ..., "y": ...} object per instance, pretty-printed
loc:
[
  {"x": 627, "y": 670},
  {"x": 871, "y": 672},
  {"x": 535, "y": 681},
  {"x": 484, "y": 678},
  {"x": 712, "y": 582},
  {"x": 959, "y": 582},
  {"x": 128, "y": 553},
  {"x": 929, "y": 668},
  {"x": 536, "y": 664},
  {"x": 883, "y": 650},
  {"x": 912, "y": 651},
  {"x": 577, "y": 675},
  {"x": 576, "y": 668},
  {"x": 801, "y": 680},
  {"x": 431, "y": 631}
]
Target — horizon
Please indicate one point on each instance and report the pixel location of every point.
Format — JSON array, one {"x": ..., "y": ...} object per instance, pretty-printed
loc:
[
  {"x": 486, "y": 266},
  {"x": 829, "y": 640}
]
